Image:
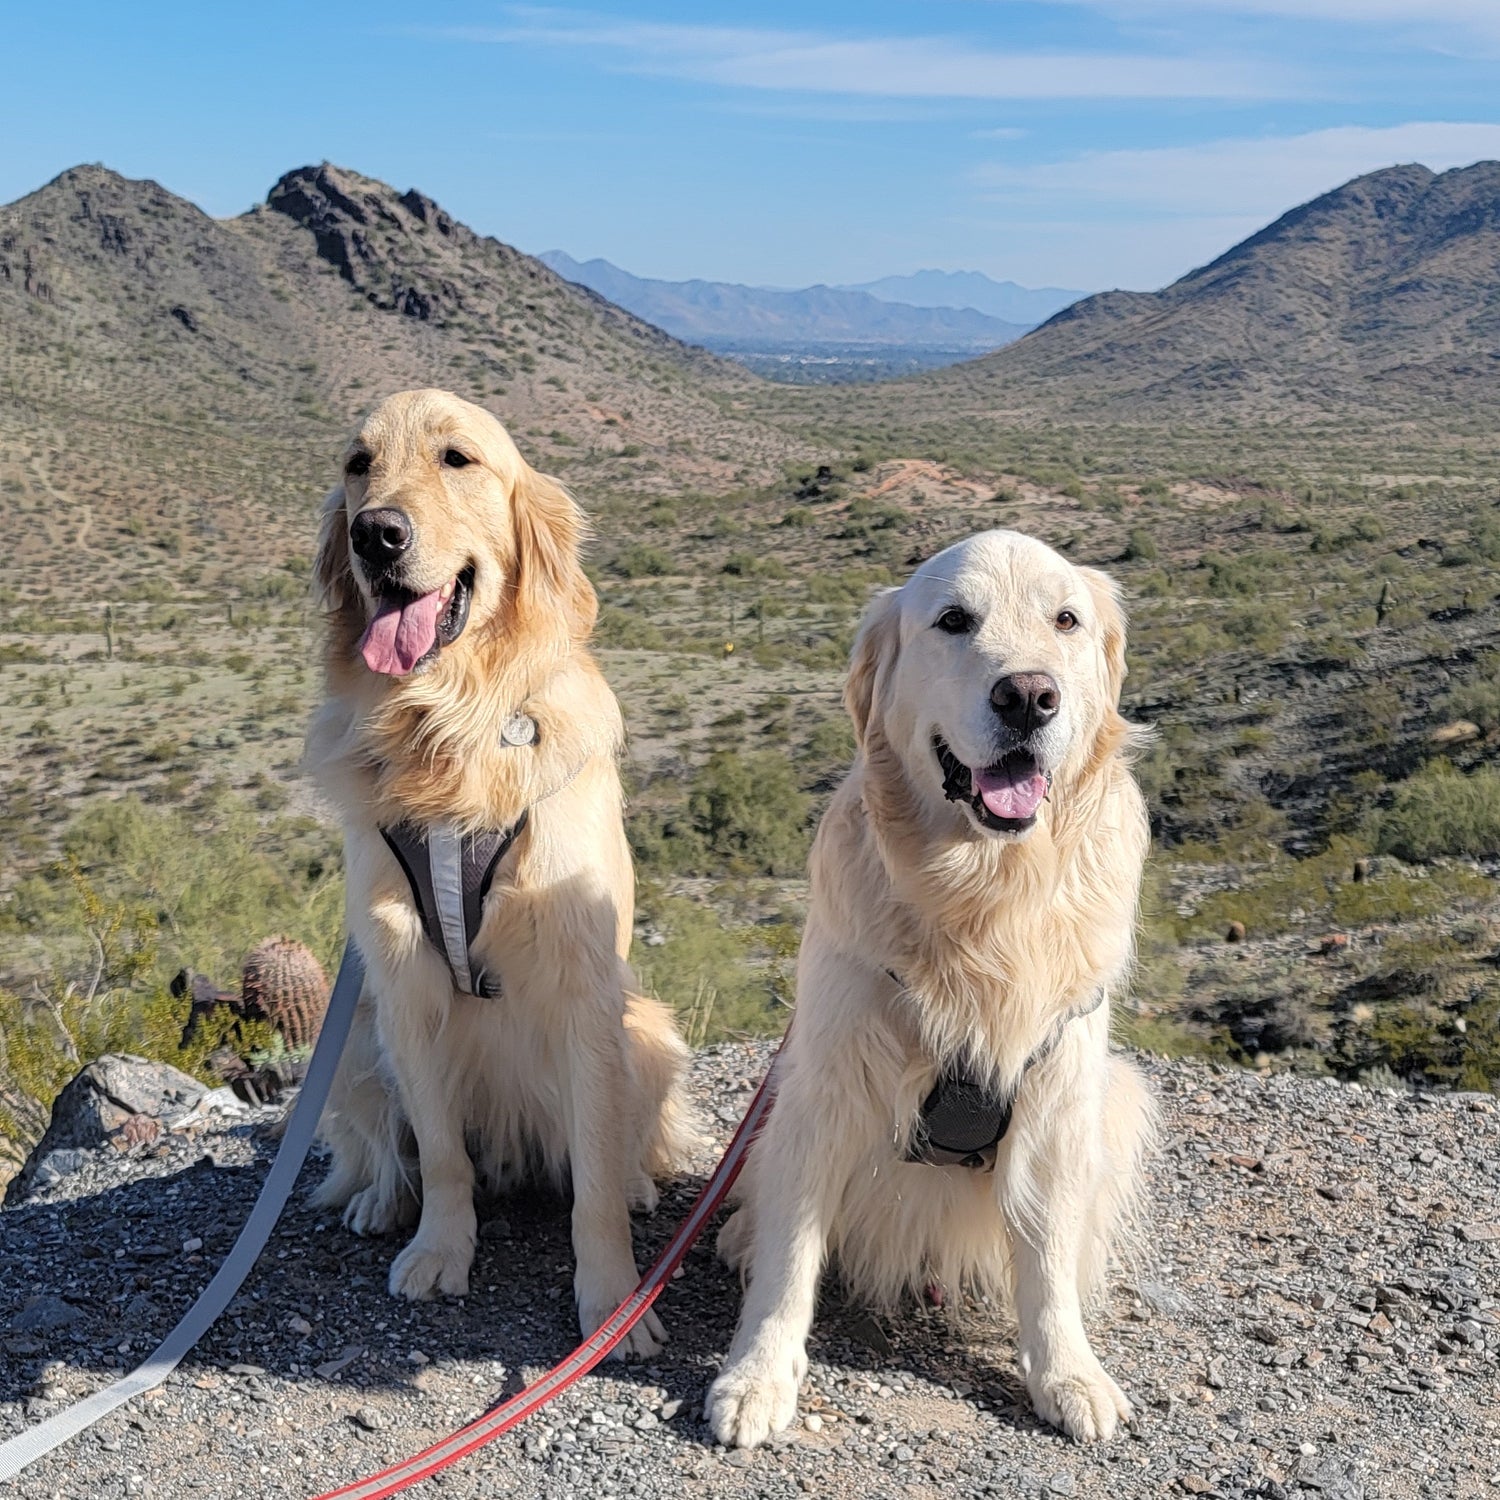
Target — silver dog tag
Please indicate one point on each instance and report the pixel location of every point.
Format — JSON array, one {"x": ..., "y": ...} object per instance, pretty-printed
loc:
[{"x": 519, "y": 730}]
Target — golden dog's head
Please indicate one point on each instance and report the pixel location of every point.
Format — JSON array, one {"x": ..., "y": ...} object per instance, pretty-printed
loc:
[
  {"x": 991, "y": 675},
  {"x": 442, "y": 541}
]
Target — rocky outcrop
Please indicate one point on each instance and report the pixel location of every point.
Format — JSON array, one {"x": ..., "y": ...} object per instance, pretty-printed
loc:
[
  {"x": 365, "y": 230},
  {"x": 119, "y": 1099}
]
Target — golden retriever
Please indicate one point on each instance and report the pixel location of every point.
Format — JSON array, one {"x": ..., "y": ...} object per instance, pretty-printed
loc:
[
  {"x": 460, "y": 698},
  {"x": 974, "y": 889}
]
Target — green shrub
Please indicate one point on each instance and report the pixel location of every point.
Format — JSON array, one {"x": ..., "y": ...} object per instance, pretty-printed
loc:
[
  {"x": 140, "y": 893},
  {"x": 627, "y": 631},
  {"x": 1441, "y": 811},
  {"x": 1478, "y": 699},
  {"x": 829, "y": 749},
  {"x": 1419, "y": 1041},
  {"x": 738, "y": 815},
  {"x": 704, "y": 968},
  {"x": 754, "y": 565},
  {"x": 1262, "y": 625},
  {"x": 1250, "y": 574},
  {"x": 750, "y": 813},
  {"x": 641, "y": 561}
]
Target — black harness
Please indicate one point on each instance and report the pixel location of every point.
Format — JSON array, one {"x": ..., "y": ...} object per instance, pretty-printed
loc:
[{"x": 962, "y": 1122}]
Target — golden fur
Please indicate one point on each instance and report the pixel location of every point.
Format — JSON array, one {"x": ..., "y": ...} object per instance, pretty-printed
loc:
[
  {"x": 998, "y": 938},
  {"x": 569, "y": 1073}
]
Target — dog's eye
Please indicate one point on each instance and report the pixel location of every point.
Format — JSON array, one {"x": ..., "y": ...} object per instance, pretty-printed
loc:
[
  {"x": 454, "y": 459},
  {"x": 358, "y": 465},
  {"x": 955, "y": 621},
  {"x": 1066, "y": 621}
]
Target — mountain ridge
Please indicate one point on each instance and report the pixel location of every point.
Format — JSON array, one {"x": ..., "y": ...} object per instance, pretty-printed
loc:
[
  {"x": 1383, "y": 293},
  {"x": 1007, "y": 300},
  {"x": 129, "y": 317},
  {"x": 729, "y": 315}
]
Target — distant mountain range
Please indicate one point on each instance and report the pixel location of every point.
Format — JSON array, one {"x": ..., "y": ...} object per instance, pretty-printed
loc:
[
  {"x": 1383, "y": 294},
  {"x": 263, "y": 333},
  {"x": 732, "y": 318},
  {"x": 1000, "y": 299}
]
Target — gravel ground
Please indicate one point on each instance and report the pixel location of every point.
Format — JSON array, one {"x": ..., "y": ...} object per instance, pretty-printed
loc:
[{"x": 1320, "y": 1316}]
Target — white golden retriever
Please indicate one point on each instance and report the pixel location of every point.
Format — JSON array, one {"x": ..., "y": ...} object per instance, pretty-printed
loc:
[
  {"x": 461, "y": 702},
  {"x": 974, "y": 888}
]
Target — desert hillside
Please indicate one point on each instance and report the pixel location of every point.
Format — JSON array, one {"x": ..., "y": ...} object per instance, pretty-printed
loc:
[
  {"x": 1383, "y": 295},
  {"x": 191, "y": 377}
]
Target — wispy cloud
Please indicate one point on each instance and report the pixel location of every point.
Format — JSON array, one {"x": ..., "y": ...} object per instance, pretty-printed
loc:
[
  {"x": 1477, "y": 17},
  {"x": 1247, "y": 178},
  {"x": 909, "y": 67}
]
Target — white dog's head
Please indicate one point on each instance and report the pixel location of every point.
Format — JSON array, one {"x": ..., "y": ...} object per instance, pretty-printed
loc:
[{"x": 991, "y": 675}]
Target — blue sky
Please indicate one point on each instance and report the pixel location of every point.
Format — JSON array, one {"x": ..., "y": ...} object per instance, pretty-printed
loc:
[{"x": 1082, "y": 143}]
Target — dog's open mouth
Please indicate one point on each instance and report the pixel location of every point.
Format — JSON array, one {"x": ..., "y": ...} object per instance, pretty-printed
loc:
[
  {"x": 408, "y": 630},
  {"x": 1004, "y": 796}
]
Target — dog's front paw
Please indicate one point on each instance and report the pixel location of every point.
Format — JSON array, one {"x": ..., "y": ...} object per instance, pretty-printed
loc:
[
  {"x": 1078, "y": 1397},
  {"x": 751, "y": 1400},
  {"x": 430, "y": 1268},
  {"x": 376, "y": 1210},
  {"x": 598, "y": 1297}
]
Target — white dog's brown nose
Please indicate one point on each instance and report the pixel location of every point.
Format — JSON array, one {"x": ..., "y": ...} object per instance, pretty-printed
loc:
[{"x": 1026, "y": 701}]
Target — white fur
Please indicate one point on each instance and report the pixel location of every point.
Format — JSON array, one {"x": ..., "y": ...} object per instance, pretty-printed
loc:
[{"x": 998, "y": 939}]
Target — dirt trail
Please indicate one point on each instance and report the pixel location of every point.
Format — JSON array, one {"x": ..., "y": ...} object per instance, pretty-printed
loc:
[{"x": 1317, "y": 1317}]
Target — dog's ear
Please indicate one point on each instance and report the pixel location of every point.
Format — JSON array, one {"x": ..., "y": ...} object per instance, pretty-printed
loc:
[
  {"x": 331, "y": 566},
  {"x": 550, "y": 529},
  {"x": 1105, "y": 593},
  {"x": 874, "y": 646}
]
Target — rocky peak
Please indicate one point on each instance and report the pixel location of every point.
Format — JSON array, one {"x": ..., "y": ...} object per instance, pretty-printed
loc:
[{"x": 370, "y": 234}]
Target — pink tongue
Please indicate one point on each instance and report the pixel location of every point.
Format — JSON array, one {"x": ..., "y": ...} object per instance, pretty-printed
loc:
[
  {"x": 1011, "y": 796},
  {"x": 400, "y": 635}
]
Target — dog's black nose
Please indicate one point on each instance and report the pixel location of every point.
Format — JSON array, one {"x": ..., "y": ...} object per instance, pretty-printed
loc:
[
  {"x": 1026, "y": 701},
  {"x": 379, "y": 537}
]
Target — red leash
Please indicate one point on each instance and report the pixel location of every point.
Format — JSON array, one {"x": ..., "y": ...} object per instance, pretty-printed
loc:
[{"x": 512, "y": 1413}]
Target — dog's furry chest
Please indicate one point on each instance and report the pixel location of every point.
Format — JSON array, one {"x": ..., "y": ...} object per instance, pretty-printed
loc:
[{"x": 988, "y": 958}]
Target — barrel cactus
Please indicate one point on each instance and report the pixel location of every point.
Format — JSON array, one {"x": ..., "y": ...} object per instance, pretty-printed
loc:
[{"x": 284, "y": 984}]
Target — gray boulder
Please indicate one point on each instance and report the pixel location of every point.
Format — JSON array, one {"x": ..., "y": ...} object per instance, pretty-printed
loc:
[{"x": 119, "y": 1100}]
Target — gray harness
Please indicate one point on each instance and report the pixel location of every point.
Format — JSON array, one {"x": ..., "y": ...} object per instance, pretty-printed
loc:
[
  {"x": 450, "y": 874},
  {"x": 962, "y": 1122}
]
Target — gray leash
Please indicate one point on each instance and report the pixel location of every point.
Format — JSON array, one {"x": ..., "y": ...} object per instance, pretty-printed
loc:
[{"x": 24, "y": 1449}]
